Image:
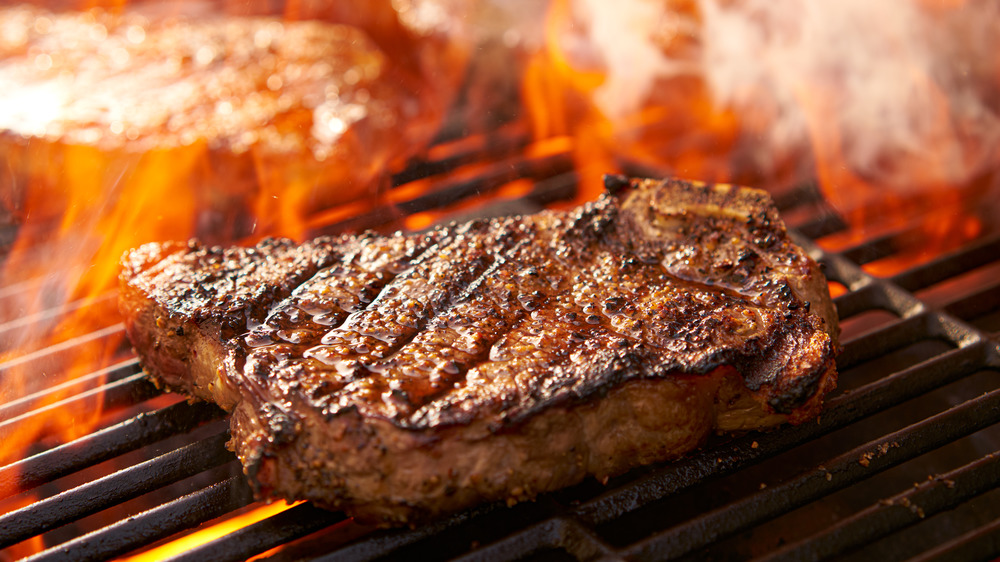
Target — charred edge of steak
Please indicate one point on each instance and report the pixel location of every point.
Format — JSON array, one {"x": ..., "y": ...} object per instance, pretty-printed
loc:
[
  {"x": 385, "y": 475},
  {"x": 183, "y": 303}
]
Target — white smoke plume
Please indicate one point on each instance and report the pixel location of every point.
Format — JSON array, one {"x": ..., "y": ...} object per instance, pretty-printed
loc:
[{"x": 899, "y": 84}]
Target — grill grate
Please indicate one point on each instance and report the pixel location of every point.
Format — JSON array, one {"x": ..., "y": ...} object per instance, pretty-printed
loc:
[{"x": 918, "y": 374}]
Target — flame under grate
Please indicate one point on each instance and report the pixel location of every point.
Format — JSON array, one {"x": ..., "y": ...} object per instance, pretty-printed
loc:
[{"x": 908, "y": 443}]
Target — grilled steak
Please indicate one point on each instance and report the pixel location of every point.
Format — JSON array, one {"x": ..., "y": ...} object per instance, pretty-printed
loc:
[
  {"x": 237, "y": 115},
  {"x": 407, "y": 376}
]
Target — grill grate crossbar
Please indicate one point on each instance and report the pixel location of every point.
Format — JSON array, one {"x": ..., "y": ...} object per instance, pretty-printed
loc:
[
  {"x": 32, "y": 403},
  {"x": 978, "y": 544}
]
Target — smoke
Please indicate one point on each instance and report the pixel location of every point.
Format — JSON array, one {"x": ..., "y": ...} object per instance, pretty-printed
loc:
[{"x": 896, "y": 88}]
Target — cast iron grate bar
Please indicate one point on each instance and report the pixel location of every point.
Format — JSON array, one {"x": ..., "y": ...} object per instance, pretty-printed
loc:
[
  {"x": 450, "y": 190},
  {"x": 26, "y": 360},
  {"x": 978, "y": 544},
  {"x": 986, "y": 299},
  {"x": 152, "y": 525},
  {"x": 942, "y": 492},
  {"x": 558, "y": 533},
  {"x": 858, "y": 301},
  {"x": 10, "y": 328},
  {"x": 885, "y": 339},
  {"x": 104, "y": 444},
  {"x": 950, "y": 265},
  {"x": 279, "y": 529},
  {"x": 822, "y": 225},
  {"x": 52, "y": 512},
  {"x": 505, "y": 141}
]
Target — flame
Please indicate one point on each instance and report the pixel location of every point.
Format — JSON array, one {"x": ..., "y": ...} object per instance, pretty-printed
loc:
[
  {"x": 891, "y": 108},
  {"x": 90, "y": 172},
  {"x": 556, "y": 94},
  {"x": 231, "y": 523}
]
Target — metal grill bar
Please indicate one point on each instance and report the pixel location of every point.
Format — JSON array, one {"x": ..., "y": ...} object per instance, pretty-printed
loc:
[
  {"x": 25, "y": 361},
  {"x": 505, "y": 141},
  {"x": 276, "y": 530},
  {"x": 904, "y": 509},
  {"x": 985, "y": 300},
  {"x": 49, "y": 513},
  {"x": 978, "y": 544},
  {"x": 124, "y": 392},
  {"x": 9, "y": 328},
  {"x": 873, "y": 249},
  {"x": 104, "y": 444},
  {"x": 450, "y": 190},
  {"x": 559, "y": 532},
  {"x": 154, "y": 524},
  {"x": 822, "y": 225},
  {"x": 949, "y": 265},
  {"x": 381, "y": 544}
]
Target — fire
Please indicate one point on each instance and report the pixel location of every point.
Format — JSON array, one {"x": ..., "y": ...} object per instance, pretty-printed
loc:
[
  {"x": 891, "y": 107},
  {"x": 128, "y": 127},
  {"x": 227, "y": 525}
]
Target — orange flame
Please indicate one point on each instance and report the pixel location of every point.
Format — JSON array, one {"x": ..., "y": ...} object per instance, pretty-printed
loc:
[
  {"x": 80, "y": 193},
  {"x": 211, "y": 532},
  {"x": 772, "y": 94}
]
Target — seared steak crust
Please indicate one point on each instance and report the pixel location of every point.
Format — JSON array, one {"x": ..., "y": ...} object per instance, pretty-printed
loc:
[{"x": 402, "y": 377}]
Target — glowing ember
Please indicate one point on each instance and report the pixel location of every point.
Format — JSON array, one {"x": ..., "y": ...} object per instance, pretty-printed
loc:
[{"x": 211, "y": 532}]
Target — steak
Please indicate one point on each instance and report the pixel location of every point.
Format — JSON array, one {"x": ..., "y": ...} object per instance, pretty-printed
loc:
[
  {"x": 404, "y": 377},
  {"x": 241, "y": 116}
]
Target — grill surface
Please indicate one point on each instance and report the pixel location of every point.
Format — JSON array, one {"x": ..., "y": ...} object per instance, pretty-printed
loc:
[{"x": 902, "y": 464}]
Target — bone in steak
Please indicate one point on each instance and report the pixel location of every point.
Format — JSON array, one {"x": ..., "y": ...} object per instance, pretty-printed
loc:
[{"x": 408, "y": 376}]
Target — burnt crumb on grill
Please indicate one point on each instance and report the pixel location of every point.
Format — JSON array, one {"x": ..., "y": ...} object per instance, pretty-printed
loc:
[
  {"x": 615, "y": 183},
  {"x": 405, "y": 377}
]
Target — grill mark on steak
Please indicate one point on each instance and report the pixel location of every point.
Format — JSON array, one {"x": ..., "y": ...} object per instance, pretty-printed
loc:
[
  {"x": 450, "y": 338},
  {"x": 501, "y": 301},
  {"x": 614, "y": 329},
  {"x": 408, "y": 302}
]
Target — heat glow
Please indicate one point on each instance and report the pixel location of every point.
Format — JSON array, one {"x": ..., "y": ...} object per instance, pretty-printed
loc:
[
  {"x": 126, "y": 123},
  {"x": 891, "y": 106}
]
